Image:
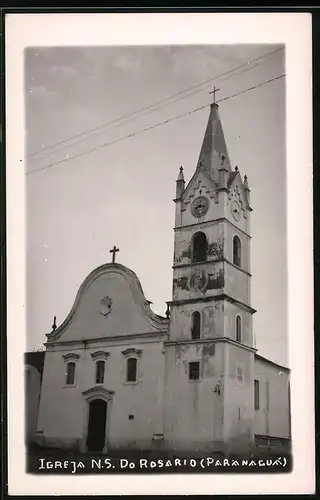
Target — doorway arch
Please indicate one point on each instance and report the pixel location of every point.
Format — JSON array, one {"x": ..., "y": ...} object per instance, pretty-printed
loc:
[
  {"x": 95, "y": 436},
  {"x": 97, "y": 423}
]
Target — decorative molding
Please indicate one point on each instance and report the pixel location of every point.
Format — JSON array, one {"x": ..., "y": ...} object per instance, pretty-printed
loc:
[
  {"x": 240, "y": 373},
  {"x": 98, "y": 392},
  {"x": 198, "y": 281},
  {"x": 132, "y": 352},
  {"x": 214, "y": 298},
  {"x": 228, "y": 340},
  {"x": 137, "y": 294},
  {"x": 106, "y": 306},
  {"x": 209, "y": 188},
  {"x": 129, "y": 339},
  {"x": 212, "y": 261},
  {"x": 71, "y": 357},
  {"x": 210, "y": 223},
  {"x": 100, "y": 355}
]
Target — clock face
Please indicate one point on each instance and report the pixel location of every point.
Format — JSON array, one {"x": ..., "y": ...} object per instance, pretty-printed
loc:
[
  {"x": 200, "y": 206},
  {"x": 236, "y": 210}
]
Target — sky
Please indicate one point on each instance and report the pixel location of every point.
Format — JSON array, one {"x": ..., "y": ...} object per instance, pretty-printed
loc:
[{"x": 121, "y": 192}]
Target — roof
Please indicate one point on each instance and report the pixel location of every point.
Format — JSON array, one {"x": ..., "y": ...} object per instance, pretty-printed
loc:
[
  {"x": 214, "y": 151},
  {"x": 265, "y": 360},
  {"x": 232, "y": 176}
]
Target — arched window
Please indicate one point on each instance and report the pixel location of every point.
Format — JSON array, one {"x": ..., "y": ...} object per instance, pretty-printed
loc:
[
  {"x": 70, "y": 374},
  {"x": 131, "y": 370},
  {"x": 238, "y": 329},
  {"x": 199, "y": 251},
  {"x": 100, "y": 368},
  {"x": 196, "y": 325},
  {"x": 237, "y": 251}
]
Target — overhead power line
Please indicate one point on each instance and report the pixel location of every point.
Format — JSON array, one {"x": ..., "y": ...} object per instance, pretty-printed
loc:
[
  {"x": 62, "y": 147},
  {"x": 131, "y": 116},
  {"x": 151, "y": 127}
]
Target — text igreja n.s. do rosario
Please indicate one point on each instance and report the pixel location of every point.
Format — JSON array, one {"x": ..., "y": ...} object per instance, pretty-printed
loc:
[{"x": 144, "y": 463}]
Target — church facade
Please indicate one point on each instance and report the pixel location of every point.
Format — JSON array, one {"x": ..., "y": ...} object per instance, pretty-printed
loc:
[{"x": 118, "y": 376}]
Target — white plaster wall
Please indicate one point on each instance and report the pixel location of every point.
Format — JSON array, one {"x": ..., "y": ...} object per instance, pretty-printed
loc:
[
  {"x": 212, "y": 320},
  {"x": 237, "y": 284},
  {"x": 230, "y": 231},
  {"x": 238, "y": 400},
  {"x": 274, "y": 422},
  {"x": 192, "y": 410},
  {"x": 231, "y": 311},
  {"x": 63, "y": 409},
  {"x": 32, "y": 400}
]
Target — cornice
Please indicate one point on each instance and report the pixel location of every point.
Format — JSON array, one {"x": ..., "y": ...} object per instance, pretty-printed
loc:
[
  {"x": 100, "y": 355},
  {"x": 213, "y": 298},
  {"x": 71, "y": 356},
  {"x": 213, "y": 261},
  {"x": 131, "y": 351},
  {"x": 214, "y": 340},
  {"x": 210, "y": 223},
  {"x": 87, "y": 343},
  {"x": 98, "y": 392}
]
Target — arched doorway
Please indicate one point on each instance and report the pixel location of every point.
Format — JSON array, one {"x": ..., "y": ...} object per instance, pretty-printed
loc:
[{"x": 97, "y": 425}]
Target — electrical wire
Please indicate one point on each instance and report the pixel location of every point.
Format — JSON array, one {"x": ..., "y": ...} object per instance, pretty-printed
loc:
[
  {"x": 131, "y": 119},
  {"x": 133, "y": 134},
  {"x": 129, "y": 115}
]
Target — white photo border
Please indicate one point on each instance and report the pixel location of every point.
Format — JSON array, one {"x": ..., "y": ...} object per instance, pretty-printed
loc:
[{"x": 291, "y": 29}]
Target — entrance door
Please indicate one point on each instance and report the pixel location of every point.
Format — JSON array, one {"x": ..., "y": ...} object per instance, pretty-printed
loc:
[{"x": 97, "y": 425}]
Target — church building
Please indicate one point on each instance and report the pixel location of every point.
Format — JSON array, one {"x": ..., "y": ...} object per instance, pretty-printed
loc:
[{"x": 117, "y": 376}]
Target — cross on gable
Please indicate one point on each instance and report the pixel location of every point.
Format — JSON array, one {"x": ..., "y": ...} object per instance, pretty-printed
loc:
[{"x": 113, "y": 251}]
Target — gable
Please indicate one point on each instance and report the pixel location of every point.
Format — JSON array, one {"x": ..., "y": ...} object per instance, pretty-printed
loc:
[
  {"x": 237, "y": 192},
  {"x": 110, "y": 303},
  {"x": 199, "y": 181}
]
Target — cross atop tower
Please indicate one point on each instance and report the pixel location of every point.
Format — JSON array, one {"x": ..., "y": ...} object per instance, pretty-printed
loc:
[
  {"x": 113, "y": 251},
  {"x": 214, "y": 94}
]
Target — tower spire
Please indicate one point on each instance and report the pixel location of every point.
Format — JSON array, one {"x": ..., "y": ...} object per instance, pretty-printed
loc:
[
  {"x": 180, "y": 183},
  {"x": 214, "y": 150}
]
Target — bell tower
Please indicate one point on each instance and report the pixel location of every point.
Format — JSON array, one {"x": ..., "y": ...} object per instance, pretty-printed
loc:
[{"x": 210, "y": 348}]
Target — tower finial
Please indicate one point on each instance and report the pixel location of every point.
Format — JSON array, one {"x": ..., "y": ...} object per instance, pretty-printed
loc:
[
  {"x": 213, "y": 92},
  {"x": 54, "y": 326},
  {"x": 180, "y": 183},
  {"x": 180, "y": 175}
]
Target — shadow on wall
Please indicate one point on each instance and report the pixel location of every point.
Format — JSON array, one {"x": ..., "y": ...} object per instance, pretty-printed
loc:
[{"x": 33, "y": 377}]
